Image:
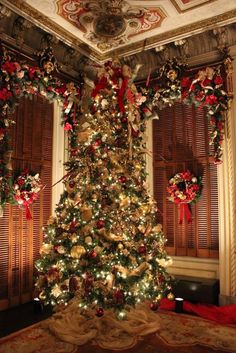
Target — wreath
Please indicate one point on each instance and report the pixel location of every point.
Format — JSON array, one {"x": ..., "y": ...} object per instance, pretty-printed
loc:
[
  {"x": 26, "y": 188},
  {"x": 184, "y": 188}
]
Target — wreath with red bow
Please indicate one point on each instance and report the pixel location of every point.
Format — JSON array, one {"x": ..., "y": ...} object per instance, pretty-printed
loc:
[
  {"x": 184, "y": 188},
  {"x": 26, "y": 188}
]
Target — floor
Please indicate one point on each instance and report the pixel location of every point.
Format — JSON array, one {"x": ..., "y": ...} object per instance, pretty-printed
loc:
[{"x": 14, "y": 319}]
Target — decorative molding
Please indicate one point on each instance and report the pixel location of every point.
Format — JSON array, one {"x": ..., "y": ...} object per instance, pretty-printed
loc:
[
  {"x": 178, "y": 8},
  {"x": 20, "y": 25},
  {"x": 221, "y": 35}
]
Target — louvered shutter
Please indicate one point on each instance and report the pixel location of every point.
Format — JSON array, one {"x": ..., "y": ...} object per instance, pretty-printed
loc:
[
  {"x": 21, "y": 239},
  {"x": 180, "y": 142}
]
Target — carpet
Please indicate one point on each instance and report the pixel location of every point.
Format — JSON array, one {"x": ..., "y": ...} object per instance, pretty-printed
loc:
[{"x": 178, "y": 333}]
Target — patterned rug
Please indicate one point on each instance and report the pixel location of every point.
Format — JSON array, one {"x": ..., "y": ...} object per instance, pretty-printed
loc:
[{"x": 178, "y": 333}]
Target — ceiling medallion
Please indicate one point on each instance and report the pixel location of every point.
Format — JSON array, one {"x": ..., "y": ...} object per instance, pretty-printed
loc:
[{"x": 109, "y": 24}]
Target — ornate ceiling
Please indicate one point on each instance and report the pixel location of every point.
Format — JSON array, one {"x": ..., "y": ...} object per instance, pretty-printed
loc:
[{"x": 101, "y": 29}]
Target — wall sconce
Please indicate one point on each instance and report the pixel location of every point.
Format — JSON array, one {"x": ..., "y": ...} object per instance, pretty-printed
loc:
[{"x": 179, "y": 305}]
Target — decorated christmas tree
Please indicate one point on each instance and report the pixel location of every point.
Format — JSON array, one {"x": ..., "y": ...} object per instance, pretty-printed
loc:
[{"x": 104, "y": 246}]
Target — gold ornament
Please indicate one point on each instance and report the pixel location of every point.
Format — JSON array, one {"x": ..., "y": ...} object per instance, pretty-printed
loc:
[
  {"x": 77, "y": 251},
  {"x": 120, "y": 246},
  {"x": 88, "y": 240},
  {"x": 86, "y": 213},
  {"x": 45, "y": 249},
  {"x": 73, "y": 238},
  {"x": 170, "y": 296}
]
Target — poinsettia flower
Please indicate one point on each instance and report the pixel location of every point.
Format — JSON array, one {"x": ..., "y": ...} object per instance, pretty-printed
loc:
[
  {"x": 185, "y": 82},
  {"x": 9, "y": 67},
  {"x": 211, "y": 99},
  {"x": 68, "y": 127},
  {"x": 5, "y": 94},
  {"x": 218, "y": 80}
]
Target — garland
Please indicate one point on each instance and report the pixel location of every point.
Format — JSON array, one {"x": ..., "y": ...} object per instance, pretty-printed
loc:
[
  {"x": 22, "y": 80},
  {"x": 203, "y": 89},
  {"x": 184, "y": 188}
]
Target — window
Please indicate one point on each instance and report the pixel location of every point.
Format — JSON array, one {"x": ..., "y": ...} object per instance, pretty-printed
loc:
[
  {"x": 180, "y": 142},
  {"x": 20, "y": 239}
]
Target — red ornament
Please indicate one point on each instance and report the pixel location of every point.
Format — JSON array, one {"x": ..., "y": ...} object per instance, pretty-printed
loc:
[
  {"x": 142, "y": 249},
  {"x": 97, "y": 143},
  {"x": 153, "y": 306},
  {"x": 135, "y": 133},
  {"x": 73, "y": 227},
  {"x": 119, "y": 296},
  {"x": 71, "y": 184},
  {"x": 100, "y": 223},
  {"x": 122, "y": 179},
  {"x": 74, "y": 153},
  {"x": 93, "y": 254},
  {"x": 99, "y": 312},
  {"x": 124, "y": 120}
]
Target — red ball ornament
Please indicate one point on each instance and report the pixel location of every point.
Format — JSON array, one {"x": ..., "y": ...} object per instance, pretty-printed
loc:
[
  {"x": 153, "y": 306},
  {"x": 99, "y": 312},
  {"x": 71, "y": 184},
  {"x": 100, "y": 223},
  {"x": 97, "y": 143},
  {"x": 74, "y": 152},
  {"x": 122, "y": 179},
  {"x": 124, "y": 120},
  {"x": 93, "y": 254},
  {"x": 142, "y": 249}
]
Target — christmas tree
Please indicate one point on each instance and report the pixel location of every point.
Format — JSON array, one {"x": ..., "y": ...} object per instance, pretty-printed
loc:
[{"x": 104, "y": 246}]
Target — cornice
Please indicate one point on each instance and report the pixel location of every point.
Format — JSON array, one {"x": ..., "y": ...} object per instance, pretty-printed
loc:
[{"x": 150, "y": 42}]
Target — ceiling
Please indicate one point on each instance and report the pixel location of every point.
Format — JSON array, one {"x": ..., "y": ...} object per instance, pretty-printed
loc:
[{"x": 102, "y": 29}]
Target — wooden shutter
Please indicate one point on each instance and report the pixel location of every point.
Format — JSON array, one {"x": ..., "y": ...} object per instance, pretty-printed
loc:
[
  {"x": 180, "y": 142},
  {"x": 20, "y": 239}
]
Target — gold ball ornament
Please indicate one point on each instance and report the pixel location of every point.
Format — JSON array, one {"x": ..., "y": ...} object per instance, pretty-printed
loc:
[
  {"x": 170, "y": 296},
  {"x": 120, "y": 246}
]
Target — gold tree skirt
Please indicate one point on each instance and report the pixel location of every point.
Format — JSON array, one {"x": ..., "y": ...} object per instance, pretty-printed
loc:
[{"x": 107, "y": 331}]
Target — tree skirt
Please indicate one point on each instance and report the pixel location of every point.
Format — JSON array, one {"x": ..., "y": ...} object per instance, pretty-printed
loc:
[
  {"x": 192, "y": 334},
  {"x": 107, "y": 331}
]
